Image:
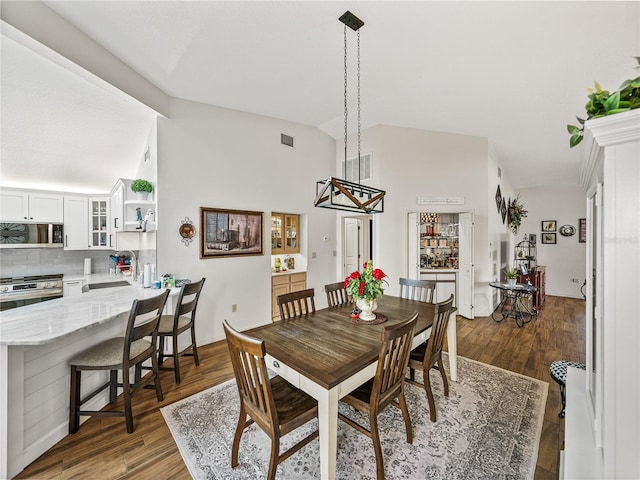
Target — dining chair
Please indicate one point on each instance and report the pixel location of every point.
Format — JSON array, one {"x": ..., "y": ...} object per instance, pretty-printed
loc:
[
  {"x": 183, "y": 319},
  {"x": 386, "y": 386},
  {"x": 121, "y": 354},
  {"x": 295, "y": 304},
  {"x": 336, "y": 294},
  {"x": 421, "y": 290},
  {"x": 429, "y": 355},
  {"x": 275, "y": 405}
]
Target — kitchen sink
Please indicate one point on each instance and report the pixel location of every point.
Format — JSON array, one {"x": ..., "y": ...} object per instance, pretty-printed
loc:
[{"x": 121, "y": 283}]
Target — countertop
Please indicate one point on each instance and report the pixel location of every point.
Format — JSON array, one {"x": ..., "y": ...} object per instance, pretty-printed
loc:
[
  {"x": 438, "y": 270},
  {"x": 289, "y": 272},
  {"x": 46, "y": 322}
]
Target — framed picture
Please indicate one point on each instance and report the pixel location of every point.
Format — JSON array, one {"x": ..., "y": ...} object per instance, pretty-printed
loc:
[
  {"x": 548, "y": 226},
  {"x": 549, "y": 238},
  {"x": 582, "y": 230},
  {"x": 228, "y": 233},
  {"x": 499, "y": 199},
  {"x": 503, "y": 209},
  {"x": 532, "y": 239}
]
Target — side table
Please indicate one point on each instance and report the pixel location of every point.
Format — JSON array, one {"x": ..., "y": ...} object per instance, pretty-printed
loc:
[{"x": 511, "y": 304}]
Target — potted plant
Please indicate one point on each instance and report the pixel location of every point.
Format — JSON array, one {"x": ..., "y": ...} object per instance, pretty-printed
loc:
[
  {"x": 142, "y": 188},
  {"x": 602, "y": 103},
  {"x": 512, "y": 276}
]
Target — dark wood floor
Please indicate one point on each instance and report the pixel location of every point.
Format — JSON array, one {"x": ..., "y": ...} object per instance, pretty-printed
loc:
[{"x": 103, "y": 450}]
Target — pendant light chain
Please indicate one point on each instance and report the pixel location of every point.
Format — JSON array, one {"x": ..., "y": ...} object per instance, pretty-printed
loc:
[
  {"x": 345, "y": 102},
  {"x": 358, "y": 106}
]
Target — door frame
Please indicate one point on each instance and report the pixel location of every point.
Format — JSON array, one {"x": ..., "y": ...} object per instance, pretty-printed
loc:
[{"x": 365, "y": 239}]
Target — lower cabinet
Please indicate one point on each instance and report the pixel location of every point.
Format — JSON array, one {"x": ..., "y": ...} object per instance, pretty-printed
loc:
[
  {"x": 285, "y": 283},
  {"x": 446, "y": 281},
  {"x": 537, "y": 278}
]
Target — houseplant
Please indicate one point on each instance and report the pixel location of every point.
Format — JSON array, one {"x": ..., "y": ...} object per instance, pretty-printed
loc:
[
  {"x": 602, "y": 103},
  {"x": 366, "y": 287},
  {"x": 512, "y": 276},
  {"x": 516, "y": 212},
  {"x": 142, "y": 188}
]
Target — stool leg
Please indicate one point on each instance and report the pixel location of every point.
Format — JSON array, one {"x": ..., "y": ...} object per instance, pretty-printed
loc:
[
  {"x": 74, "y": 403},
  {"x": 176, "y": 358},
  {"x": 563, "y": 394}
]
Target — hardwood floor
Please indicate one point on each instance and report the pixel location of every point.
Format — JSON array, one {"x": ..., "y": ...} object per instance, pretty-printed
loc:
[{"x": 103, "y": 450}]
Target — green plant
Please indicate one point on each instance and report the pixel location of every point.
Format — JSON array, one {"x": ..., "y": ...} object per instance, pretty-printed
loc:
[
  {"x": 511, "y": 273},
  {"x": 602, "y": 103},
  {"x": 516, "y": 211},
  {"x": 368, "y": 284},
  {"x": 141, "y": 185}
]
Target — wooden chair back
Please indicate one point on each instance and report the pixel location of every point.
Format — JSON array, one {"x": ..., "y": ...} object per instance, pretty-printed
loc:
[
  {"x": 421, "y": 290},
  {"x": 438, "y": 332},
  {"x": 336, "y": 294},
  {"x": 188, "y": 301},
  {"x": 296, "y": 304},
  {"x": 144, "y": 318}
]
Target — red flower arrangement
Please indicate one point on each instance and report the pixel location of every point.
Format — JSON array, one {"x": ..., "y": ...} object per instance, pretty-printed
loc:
[{"x": 368, "y": 284}]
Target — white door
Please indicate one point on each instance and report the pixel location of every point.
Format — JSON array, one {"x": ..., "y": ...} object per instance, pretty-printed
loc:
[
  {"x": 413, "y": 246},
  {"x": 353, "y": 244},
  {"x": 465, "y": 266}
]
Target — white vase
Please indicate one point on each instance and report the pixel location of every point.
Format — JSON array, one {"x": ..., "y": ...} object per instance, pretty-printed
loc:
[
  {"x": 142, "y": 195},
  {"x": 512, "y": 281},
  {"x": 366, "y": 308}
]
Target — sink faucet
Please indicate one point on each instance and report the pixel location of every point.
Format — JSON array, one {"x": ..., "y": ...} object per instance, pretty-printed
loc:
[{"x": 133, "y": 268}]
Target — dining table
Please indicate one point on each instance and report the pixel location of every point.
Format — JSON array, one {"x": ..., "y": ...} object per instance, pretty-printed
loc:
[{"x": 328, "y": 354}]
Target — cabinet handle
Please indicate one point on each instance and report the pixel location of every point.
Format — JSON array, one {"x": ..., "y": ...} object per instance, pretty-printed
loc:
[
  {"x": 276, "y": 364},
  {"x": 115, "y": 222}
]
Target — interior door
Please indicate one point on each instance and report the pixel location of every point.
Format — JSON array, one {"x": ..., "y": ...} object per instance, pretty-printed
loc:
[
  {"x": 353, "y": 245},
  {"x": 413, "y": 246},
  {"x": 465, "y": 266}
]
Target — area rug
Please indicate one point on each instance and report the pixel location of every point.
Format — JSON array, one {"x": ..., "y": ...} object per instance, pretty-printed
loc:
[{"x": 487, "y": 428}]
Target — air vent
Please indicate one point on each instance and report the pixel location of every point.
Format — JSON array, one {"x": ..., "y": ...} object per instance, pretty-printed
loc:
[
  {"x": 286, "y": 140},
  {"x": 352, "y": 168}
]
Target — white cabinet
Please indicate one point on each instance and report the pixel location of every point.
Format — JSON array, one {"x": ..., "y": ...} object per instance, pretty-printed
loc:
[
  {"x": 446, "y": 281},
  {"x": 23, "y": 206},
  {"x": 76, "y": 223},
  {"x": 125, "y": 207},
  {"x": 72, "y": 288},
  {"x": 99, "y": 222},
  {"x": 116, "y": 214}
]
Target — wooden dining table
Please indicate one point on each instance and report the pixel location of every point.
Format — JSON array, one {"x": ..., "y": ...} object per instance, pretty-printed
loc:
[{"x": 328, "y": 354}]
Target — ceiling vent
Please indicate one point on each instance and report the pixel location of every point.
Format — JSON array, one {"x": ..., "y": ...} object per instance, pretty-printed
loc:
[
  {"x": 286, "y": 140},
  {"x": 352, "y": 173}
]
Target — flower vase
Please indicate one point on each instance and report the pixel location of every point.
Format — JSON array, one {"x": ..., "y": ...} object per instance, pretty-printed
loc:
[{"x": 366, "y": 308}]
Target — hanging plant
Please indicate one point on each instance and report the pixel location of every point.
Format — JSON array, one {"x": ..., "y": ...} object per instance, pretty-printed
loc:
[
  {"x": 516, "y": 212},
  {"x": 602, "y": 103}
]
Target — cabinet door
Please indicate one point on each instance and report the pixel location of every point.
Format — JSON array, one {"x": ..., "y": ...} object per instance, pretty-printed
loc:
[
  {"x": 277, "y": 290},
  {"x": 76, "y": 223},
  {"x": 277, "y": 245},
  {"x": 99, "y": 222},
  {"x": 14, "y": 206},
  {"x": 72, "y": 288},
  {"x": 292, "y": 240},
  {"x": 117, "y": 210},
  {"x": 46, "y": 208}
]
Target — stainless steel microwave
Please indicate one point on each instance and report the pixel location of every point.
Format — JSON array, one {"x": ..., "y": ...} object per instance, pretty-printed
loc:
[{"x": 31, "y": 235}]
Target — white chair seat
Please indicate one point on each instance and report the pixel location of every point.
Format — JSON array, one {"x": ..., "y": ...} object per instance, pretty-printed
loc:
[
  {"x": 108, "y": 354},
  {"x": 166, "y": 323}
]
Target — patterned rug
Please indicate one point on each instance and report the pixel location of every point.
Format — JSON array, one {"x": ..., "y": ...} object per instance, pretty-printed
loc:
[{"x": 488, "y": 428}]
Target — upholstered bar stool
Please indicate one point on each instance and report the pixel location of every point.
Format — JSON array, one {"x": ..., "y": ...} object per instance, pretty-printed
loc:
[
  {"x": 121, "y": 354},
  {"x": 183, "y": 319},
  {"x": 558, "y": 371}
]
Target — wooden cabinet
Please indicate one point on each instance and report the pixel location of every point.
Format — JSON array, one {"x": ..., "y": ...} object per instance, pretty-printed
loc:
[
  {"x": 538, "y": 279},
  {"x": 285, "y": 283},
  {"x": 285, "y": 233},
  {"x": 76, "y": 223},
  {"x": 24, "y": 206}
]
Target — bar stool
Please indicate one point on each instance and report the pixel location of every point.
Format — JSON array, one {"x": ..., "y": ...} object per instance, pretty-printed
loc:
[
  {"x": 558, "y": 371},
  {"x": 120, "y": 354}
]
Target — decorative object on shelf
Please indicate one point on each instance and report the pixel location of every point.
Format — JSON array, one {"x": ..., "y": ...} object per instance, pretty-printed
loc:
[
  {"x": 139, "y": 218},
  {"x": 230, "y": 233},
  {"x": 549, "y": 238},
  {"x": 339, "y": 194},
  {"x": 567, "y": 230},
  {"x": 366, "y": 286},
  {"x": 499, "y": 199},
  {"x": 602, "y": 103},
  {"x": 512, "y": 276},
  {"x": 582, "y": 225},
  {"x": 429, "y": 218},
  {"x": 142, "y": 188},
  {"x": 187, "y": 231},
  {"x": 516, "y": 213},
  {"x": 548, "y": 226},
  {"x": 503, "y": 209},
  {"x": 148, "y": 218}
]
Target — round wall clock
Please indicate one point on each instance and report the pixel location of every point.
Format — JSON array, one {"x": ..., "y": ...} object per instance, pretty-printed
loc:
[{"x": 567, "y": 230}]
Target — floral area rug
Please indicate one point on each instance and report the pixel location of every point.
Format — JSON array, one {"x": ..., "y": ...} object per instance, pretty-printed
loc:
[{"x": 487, "y": 428}]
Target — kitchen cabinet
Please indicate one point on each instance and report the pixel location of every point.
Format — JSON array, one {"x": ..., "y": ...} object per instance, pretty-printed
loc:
[
  {"x": 99, "y": 222},
  {"x": 76, "y": 223},
  {"x": 538, "y": 278},
  {"x": 124, "y": 206},
  {"x": 25, "y": 206},
  {"x": 446, "y": 281},
  {"x": 116, "y": 212},
  {"x": 282, "y": 283},
  {"x": 72, "y": 288},
  {"x": 285, "y": 233}
]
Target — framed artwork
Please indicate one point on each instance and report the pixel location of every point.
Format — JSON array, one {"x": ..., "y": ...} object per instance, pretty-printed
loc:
[
  {"x": 503, "y": 209},
  {"x": 582, "y": 230},
  {"x": 532, "y": 239},
  {"x": 548, "y": 226},
  {"x": 229, "y": 233},
  {"x": 549, "y": 238},
  {"x": 499, "y": 199}
]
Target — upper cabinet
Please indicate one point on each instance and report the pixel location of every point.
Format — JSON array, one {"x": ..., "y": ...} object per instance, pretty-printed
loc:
[
  {"x": 285, "y": 233},
  {"x": 129, "y": 212},
  {"x": 76, "y": 223},
  {"x": 22, "y": 206},
  {"x": 99, "y": 222}
]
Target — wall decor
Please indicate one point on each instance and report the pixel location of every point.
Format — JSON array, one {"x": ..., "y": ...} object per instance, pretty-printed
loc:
[
  {"x": 582, "y": 227},
  {"x": 549, "y": 238},
  {"x": 548, "y": 226},
  {"x": 187, "y": 231},
  {"x": 499, "y": 199},
  {"x": 229, "y": 233},
  {"x": 567, "y": 230},
  {"x": 503, "y": 209}
]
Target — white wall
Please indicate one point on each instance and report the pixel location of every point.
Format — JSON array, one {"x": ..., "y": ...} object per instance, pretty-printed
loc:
[
  {"x": 215, "y": 157},
  {"x": 567, "y": 258}
]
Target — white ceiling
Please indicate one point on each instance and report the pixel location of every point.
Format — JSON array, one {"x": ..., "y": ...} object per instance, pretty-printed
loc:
[{"x": 515, "y": 72}]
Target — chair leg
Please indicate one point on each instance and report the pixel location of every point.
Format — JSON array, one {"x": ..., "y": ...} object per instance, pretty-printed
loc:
[
  {"x": 236, "y": 438},
  {"x": 161, "y": 349},
  {"x": 445, "y": 382},
  {"x": 412, "y": 374},
  {"x": 126, "y": 393},
  {"x": 427, "y": 388},
  {"x": 176, "y": 359},
  {"x": 377, "y": 448},
  {"x": 155, "y": 371},
  {"x": 113, "y": 385},
  {"x": 74, "y": 403},
  {"x": 273, "y": 459},
  {"x": 402, "y": 404},
  {"x": 194, "y": 346}
]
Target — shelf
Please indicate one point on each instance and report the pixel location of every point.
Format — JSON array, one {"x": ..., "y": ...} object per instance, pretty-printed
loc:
[{"x": 149, "y": 203}]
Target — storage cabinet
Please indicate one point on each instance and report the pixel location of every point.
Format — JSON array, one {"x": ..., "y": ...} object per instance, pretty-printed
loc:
[
  {"x": 439, "y": 241},
  {"x": 285, "y": 233},
  {"x": 538, "y": 279},
  {"x": 285, "y": 283},
  {"x": 116, "y": 213},
  {"x": 76, "y": 223},
  {"x": 445, "y": 283},
  {"x": 23, "y": 206},
  {"x": 99, "y": 222}
]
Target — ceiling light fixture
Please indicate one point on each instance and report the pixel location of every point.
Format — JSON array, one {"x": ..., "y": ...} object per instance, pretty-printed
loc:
[{"x": 336, "y": 193}]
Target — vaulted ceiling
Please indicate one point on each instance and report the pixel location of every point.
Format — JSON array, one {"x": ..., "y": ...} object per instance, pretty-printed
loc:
[{"x": 514, "y": 72}]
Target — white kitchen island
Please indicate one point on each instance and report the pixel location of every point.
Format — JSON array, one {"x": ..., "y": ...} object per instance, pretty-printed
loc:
[{"x": 36, "y": 343}]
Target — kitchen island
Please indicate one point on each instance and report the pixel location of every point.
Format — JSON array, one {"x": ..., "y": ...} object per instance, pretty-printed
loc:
[{"x": 36, "y": 343}]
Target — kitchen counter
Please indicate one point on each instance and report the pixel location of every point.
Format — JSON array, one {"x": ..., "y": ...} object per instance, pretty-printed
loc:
[
  {"x": 439, "y": 270},
  {"x": 289, "y": 272}
]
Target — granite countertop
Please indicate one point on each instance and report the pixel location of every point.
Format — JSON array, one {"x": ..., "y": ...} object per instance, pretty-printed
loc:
[{"x": 46, "y": 322}]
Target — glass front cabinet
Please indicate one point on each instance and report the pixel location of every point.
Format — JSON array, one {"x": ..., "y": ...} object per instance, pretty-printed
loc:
[
  {"x": 98, "y": 222},
  {"x": 285, "y": 236}
]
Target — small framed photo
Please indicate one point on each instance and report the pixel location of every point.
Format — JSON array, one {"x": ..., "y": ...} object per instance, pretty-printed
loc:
[
  {"x": 582, "y": 230},
  {"x": 548, "y": 226},
  {"x": 230, "y": 233},
  {"x": 549, "y": 238}
]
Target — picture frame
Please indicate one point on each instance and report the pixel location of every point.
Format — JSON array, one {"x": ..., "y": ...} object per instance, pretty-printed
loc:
[
  {"x": 582, "y": 230},
  {"x": 549, "y": 238},
  {"x": 499, "y": 199},
  {"x": 230, "y": 233},
  {"x": 548, "y": 226}
]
